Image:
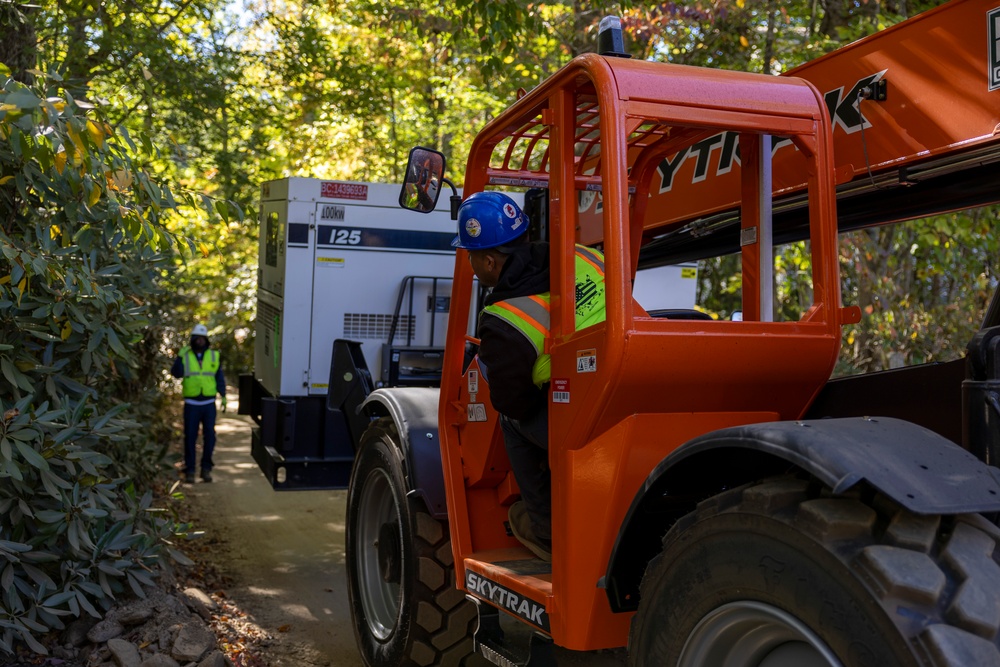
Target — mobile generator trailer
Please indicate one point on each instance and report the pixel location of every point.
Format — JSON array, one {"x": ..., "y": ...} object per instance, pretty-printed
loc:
[{"x": 343, "y": 271}]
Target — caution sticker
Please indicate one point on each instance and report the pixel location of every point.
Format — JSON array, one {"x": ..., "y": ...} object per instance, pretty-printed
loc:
[
  {"x": 689, "y": 272},
  {"x": 335, "y": 262},
  {"x": 586, "y": 361}
]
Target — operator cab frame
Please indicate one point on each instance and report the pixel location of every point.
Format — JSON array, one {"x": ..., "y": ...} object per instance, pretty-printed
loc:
[{"x": 599, "y": 135}]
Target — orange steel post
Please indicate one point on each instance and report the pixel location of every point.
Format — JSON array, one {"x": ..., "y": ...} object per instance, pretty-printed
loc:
[{"x": 750, "y": 226}]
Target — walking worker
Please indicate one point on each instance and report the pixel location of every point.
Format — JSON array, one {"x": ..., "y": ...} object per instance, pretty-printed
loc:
[
  {"x": 513, "y": 328},
  {"x": 201, "y": 371}
]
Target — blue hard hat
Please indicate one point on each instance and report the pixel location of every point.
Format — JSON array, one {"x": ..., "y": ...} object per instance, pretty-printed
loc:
[{"x": 488, "y": 220}]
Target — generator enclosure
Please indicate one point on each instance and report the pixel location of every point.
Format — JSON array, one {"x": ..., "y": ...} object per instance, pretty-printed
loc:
[
  {"x": 332, "y": 259},
  {"x": 339, "y": 261}
]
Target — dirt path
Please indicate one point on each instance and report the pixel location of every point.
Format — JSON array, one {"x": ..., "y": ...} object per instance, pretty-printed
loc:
[
  {"x": 282, "y": 555},
  {"x": 282, "y": 552}
]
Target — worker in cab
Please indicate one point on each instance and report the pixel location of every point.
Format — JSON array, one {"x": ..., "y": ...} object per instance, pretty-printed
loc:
[
  {"x": 513, "y": 329},
  {"x": 203, "y": 380}
]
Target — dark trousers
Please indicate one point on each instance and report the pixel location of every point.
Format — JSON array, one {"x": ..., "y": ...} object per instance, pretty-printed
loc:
[
  {"x": 195, "y": 416},
  {"x": 527, "y": 445}
]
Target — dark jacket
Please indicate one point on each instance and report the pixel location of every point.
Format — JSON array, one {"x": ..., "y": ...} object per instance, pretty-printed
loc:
[{"x": 506, "y": 353}]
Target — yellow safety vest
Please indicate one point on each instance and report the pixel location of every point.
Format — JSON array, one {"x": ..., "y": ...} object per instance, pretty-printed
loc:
[
  {"x": 199, "y": 378},
  {"x": 531, "y": 314}
]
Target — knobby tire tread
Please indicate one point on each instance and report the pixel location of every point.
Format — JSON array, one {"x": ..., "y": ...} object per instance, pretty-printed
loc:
[
  {"x": 936, "y": 577},
  {"x": 443, "y": 620}
]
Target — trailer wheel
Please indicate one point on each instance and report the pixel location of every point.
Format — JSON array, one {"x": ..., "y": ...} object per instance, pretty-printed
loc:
[
  {"x": 782, "y": 574},
  {"x": 401, "y": 578}
]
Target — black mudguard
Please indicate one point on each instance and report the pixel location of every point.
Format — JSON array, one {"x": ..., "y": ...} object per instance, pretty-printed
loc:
[
  {"x": 914, "y": 466},
  {"x": 414, "y": 411}
]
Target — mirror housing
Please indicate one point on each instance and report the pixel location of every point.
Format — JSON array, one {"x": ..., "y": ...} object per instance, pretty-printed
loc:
[{"x": 424, "y": 177}]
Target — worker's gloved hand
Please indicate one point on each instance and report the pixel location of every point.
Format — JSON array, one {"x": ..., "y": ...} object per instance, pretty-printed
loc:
[{"x": 223, "y": 403}]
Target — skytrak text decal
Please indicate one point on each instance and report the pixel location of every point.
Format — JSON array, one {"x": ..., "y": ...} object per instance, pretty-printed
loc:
[
  {"x": 508, "y": 600},
  {"x": 993, "y": 46},
  {"x": 844, "y": 112}
]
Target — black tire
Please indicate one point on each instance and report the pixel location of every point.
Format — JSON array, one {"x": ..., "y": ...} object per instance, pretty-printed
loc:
[
  {"x": 781, "y": 573},
  {"x": 401, "y": 580}
]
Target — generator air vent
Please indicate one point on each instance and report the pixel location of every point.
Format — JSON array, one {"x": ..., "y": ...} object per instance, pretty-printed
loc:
[
  {"x": 268, "y": 317},
  {"x": 376, "y": 326}
]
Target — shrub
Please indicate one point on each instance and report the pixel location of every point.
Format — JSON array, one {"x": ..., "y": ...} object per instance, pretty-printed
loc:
[{"x": 82, "y": 248}]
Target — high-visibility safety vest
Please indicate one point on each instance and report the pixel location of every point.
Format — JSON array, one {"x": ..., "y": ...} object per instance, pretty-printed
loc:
[
  {"x": 531, "y": 314},
  {"x": 199, "y": 378}
]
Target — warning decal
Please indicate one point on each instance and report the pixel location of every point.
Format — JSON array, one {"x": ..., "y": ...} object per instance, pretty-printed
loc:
[{"x": 586, "y": 361}]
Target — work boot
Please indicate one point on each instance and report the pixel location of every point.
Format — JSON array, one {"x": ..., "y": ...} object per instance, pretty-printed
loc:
[
  {"x": 189, "y": 478},
  {"x": 206, "y": 475},
  {"x": 520, "y": 525}
]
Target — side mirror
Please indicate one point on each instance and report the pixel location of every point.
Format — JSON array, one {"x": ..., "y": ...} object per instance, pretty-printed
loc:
[{"x": 424, "y": 176}]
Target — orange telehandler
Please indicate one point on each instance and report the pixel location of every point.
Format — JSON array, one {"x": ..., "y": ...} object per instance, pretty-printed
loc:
[{"x": 717, "y": 500}]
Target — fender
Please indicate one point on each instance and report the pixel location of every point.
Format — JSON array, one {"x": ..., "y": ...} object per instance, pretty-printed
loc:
[
  {"x": 917, "y": 468},
  {"x": 414, "y": 411}
]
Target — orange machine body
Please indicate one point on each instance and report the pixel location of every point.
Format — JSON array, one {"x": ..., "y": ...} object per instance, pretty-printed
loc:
[{"x": 603, "y": 135}]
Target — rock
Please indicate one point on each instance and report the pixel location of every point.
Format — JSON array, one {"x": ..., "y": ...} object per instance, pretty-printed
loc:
[
  {"x": 159, "y": 660},
  {"x": 167, "y": 637},
  {"x": 199, "y": 602},
  {"x": 107, "y": 629},
  {"x": 193, "y": 641},
  {"x": 170, "y": 603},
  {"x": 135, "y": 616},
  {"x": 76, "y": 632},
  {"x": 215, "y": 659},
  {"x": 65, "y": 652},
  {"x": 125, "y": 654}
]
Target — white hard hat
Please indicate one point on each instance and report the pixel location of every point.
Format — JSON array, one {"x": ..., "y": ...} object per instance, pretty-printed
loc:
[{"x": 200, "y": 330}]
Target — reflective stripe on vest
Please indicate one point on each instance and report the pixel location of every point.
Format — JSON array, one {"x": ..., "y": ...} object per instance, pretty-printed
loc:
[
  {"x": 199, "y": 379},
  {"x": 532, "y": 317}
]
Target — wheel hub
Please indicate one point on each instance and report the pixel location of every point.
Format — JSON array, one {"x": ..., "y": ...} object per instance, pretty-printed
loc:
[
  {"x": 754, "y": 634},
  {"x": 378, "y": 554},
  {"x": 389, "y": 552}
]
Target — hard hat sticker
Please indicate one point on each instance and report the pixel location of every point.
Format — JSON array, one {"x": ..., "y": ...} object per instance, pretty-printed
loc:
[
  {"x": 509, "y": 211},
  {"x": 473, "y": 228}
]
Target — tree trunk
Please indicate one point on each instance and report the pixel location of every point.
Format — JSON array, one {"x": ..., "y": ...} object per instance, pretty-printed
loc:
[
  {"x": 17, "y": 41},
  {"x": 834, "y": 16},
  {"x": 769, "y": 39}
]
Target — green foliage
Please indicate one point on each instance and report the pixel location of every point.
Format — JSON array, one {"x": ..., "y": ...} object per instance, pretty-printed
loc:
[
  {"x": 82, "y": 245},
  {"x": 923, "y": 288}
]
